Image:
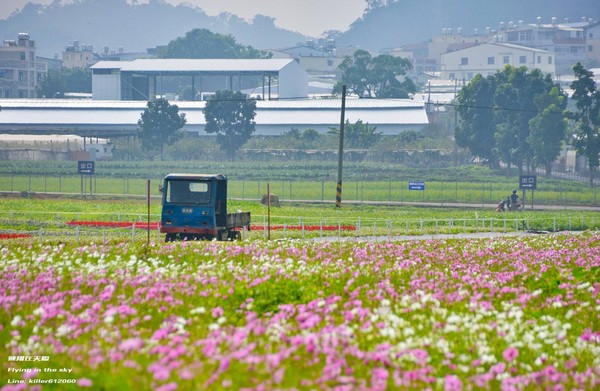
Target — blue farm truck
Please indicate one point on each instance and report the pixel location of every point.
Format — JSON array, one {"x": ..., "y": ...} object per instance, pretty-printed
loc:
[{"x": 194, "y": 206}]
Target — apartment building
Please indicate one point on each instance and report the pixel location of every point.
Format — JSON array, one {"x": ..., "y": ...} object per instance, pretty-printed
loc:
[
  {"x": 592, "y": 40},
  {"x": 20, "y": 71},
  {"x": 488, "y": 58},
  {"x": 78, "y": 56}
]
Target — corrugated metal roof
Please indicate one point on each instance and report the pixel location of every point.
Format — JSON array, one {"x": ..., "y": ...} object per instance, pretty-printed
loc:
[
  {"x": 44, "y": 114},
  {"x": 195, "y": 65}
]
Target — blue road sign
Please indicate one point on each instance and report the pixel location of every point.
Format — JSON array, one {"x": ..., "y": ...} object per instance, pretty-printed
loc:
[
  {"x": 416, "y": 186},
  {"x": 527, "y": 181},
  {"x": 85, "y": 167}
]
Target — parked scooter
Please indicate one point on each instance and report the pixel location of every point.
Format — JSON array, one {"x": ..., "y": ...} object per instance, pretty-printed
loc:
[{"x": 501, "y": 206}]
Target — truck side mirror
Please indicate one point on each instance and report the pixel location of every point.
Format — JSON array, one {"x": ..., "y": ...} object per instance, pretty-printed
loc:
[{"x": 160, "y": 188}]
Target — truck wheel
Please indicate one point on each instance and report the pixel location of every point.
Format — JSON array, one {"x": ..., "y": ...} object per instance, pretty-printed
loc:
[
  {"x": 170, "y": 237},
  {"x": 234, "y": 235}
]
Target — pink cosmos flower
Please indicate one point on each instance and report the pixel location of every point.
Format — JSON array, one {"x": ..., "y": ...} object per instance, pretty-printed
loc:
[
  {"x": 498, "y": 368},
  {"x": 452, "y": 383},
  {"x": 30, "y": 374},
  {"x": 167, "y": 387},
  {"x": 161, "y": 374},
  {"x": 84, "y": 382},
  {"x": 131, "y": 344},
  {"x": 510, "y": 353}
]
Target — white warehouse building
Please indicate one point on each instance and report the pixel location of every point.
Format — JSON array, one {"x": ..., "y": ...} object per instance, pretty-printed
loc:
[
  {"x": 488, "y": 58},
  {"x": 142, "y": 79}
]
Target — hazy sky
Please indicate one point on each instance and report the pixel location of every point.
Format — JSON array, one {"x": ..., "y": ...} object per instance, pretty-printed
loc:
[{"x": 310, "y": 17}]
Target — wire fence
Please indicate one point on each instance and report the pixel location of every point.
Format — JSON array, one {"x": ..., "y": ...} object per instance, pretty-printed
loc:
[
  {"x": 108, "y": 228},
  {"x": 559, "y": 192}
]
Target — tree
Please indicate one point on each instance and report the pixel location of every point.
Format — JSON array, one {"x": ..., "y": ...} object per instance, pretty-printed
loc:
[
  {"x": 476, "y": 127},
  {"x": 159, "y": 124},
  {"x": 52, "y": 86},
  {"x": 230, "y": 115},
  {"x": 548, "y": 129},
  {"x": 495, "y": 114},
  {"x": 203, "y": 43},
  {"x": 375, "y": 77},
  {"x": 359, "y": 134},
  {"x": 58, "y": 82},
  {"x": 587, "y": 116}
]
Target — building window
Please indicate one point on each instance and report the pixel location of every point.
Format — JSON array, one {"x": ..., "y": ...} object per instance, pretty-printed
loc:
[
  {"x": 22, "y": 94},
  {"x": 22, "y": 76},
  {"x": 539, "y": 59},
  {"x": 522, "y": 59},
  {"x": 469, "y": 75},
  {"x": 505, "y": 60},
  {"x": 549, "y": 60},
  {"x": 329, "y": 63},
  {"x": 23, "y": 57},
  {"x": 464, "y": 61},
  {"x": 591, "y": 35},
  {"x": 490, "y": 60},
  {"x": 590, "y": 48},
  {"x": 451, "y": 76}
]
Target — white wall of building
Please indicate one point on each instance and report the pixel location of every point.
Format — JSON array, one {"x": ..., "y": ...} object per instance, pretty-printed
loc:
[
  {"x": 293, "y": 81},
  {"x": 488, "y": 58},
  {"x": 106, "y": 87}
]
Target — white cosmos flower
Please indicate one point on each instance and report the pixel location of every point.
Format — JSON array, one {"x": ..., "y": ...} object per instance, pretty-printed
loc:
[{"x": 16, "y": 321}]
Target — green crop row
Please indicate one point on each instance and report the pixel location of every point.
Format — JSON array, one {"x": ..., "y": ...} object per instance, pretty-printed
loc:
[{"x": 51, "y": 217}]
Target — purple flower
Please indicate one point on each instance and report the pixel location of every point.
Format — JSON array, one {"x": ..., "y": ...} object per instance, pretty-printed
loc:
[
  {"x": 84, "y": 382},
  {"x": 510, "y": 354},
  {"x": 452, "y": 383}
]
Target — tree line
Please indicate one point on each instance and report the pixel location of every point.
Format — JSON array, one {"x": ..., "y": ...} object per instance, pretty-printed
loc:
[{"x": 519, "y": 117}]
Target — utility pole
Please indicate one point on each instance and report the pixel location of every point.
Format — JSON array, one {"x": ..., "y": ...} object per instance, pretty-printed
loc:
[{"x": 338, "y": 194}]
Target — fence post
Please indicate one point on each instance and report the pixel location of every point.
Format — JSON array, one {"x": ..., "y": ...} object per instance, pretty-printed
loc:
[
  {"x": 41, "y": 237},
  {"x": 133, "y": 233},
  {"x": 482, "y": 194},
  {"x": 322, "y": 190}
]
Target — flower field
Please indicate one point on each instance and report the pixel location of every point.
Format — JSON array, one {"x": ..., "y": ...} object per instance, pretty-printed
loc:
[{"x": 504, "y": 313}]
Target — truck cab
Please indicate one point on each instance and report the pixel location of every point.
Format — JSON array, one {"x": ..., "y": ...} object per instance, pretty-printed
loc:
[{"x": 194, "y": 206}]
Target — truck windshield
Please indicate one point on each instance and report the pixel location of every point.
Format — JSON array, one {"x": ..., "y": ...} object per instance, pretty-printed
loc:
[{"x": 187, "y": 192}]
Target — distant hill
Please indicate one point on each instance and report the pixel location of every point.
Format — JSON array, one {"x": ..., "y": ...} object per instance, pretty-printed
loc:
[
  {"x": 115, "y": 23},
  {"x": 411, "y": 21}
]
